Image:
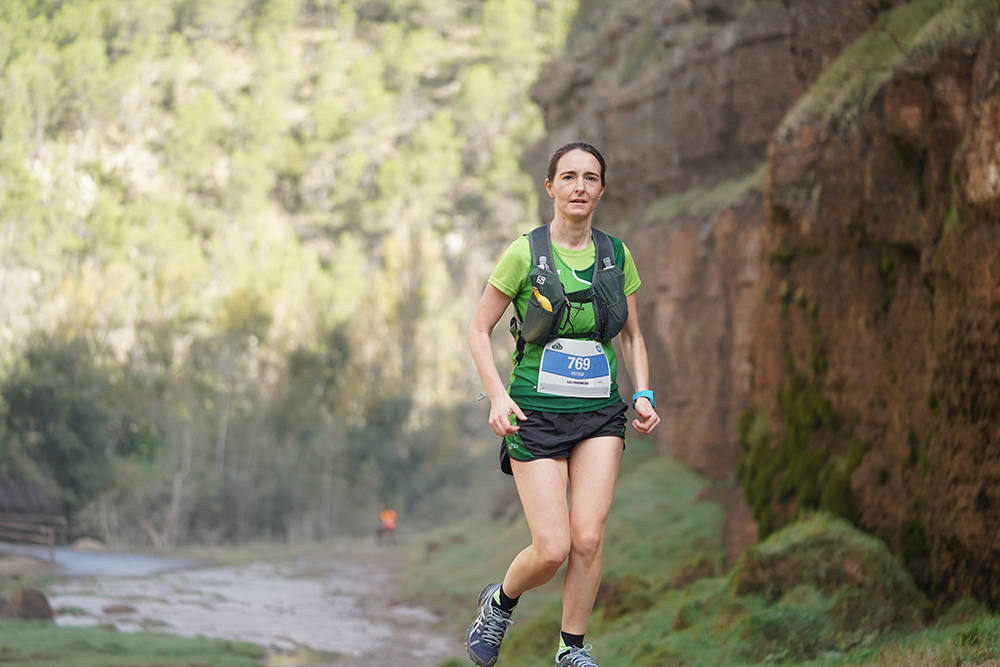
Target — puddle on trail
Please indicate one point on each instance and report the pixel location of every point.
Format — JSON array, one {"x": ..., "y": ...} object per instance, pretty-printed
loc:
[{"x": 342, "y": 608}]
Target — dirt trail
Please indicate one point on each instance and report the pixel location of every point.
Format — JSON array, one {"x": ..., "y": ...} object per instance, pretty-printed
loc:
[{"x": 337, "y": 609}]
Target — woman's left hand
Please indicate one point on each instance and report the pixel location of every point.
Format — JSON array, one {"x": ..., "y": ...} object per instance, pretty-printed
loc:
[{"x": 648, "y": 417}]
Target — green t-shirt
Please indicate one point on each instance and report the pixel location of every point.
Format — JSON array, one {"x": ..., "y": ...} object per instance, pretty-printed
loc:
[{"x": 576, "y": 269}]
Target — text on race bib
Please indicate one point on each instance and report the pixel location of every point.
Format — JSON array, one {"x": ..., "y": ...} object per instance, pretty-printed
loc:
[{"x": 576, "y": 368}]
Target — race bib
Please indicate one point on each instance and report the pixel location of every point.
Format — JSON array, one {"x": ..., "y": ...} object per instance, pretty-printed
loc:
[{"x": 577, "y": 368}]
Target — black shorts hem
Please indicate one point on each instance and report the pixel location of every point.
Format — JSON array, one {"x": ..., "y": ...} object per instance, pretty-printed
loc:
[{"x": 553, "y": 435}]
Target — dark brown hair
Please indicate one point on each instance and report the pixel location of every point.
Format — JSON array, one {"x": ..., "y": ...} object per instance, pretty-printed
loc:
[{"x": 572, "y": 146}]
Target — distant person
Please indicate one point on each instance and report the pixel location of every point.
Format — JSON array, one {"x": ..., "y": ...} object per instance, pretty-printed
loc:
[
  {"x": 385, "y": 529},
  {"x": 561, "y": 418}
]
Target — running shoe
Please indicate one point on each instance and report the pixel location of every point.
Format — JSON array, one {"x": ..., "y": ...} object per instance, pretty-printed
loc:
[
  {"x": 575, "y": 656},
  {"x": 487, "y": 632}
]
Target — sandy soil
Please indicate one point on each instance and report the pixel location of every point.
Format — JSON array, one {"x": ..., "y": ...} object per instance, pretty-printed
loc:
[
  {"x": 15, "y": 564},
  {"x": 337, "y": 609}
]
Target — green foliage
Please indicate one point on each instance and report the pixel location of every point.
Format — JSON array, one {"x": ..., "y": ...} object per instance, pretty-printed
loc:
[
  {"x": 275, "y": 217},
  {"x": 58, "y": 417}
]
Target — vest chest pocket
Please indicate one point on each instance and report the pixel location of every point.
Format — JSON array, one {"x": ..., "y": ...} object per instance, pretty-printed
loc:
[
  {"x": 612, "y": 311},
  {"x": 546, "y": 307}
]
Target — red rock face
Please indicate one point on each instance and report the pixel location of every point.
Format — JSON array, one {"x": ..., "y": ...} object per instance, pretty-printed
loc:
[{"x": 890, "y": 224}]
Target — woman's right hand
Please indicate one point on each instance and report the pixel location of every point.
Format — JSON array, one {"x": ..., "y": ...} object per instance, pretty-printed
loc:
[{"x": 500, "y": 411}]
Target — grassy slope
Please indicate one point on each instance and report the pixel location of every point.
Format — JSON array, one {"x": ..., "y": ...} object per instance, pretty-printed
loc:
[
  {"x": 816, "y": 593},
  {"x": 43, "y": 644}
]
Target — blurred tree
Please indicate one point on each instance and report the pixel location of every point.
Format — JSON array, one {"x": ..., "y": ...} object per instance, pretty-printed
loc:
[{"x": 57, "y": 410}]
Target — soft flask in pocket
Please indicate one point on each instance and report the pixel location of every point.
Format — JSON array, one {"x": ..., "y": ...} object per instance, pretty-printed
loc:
[{"x": 546, "y": 306}]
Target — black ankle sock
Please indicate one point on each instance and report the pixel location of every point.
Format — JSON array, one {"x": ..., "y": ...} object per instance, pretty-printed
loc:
[
  {"x": 506, "y": 604},
  {"x": 572, "y": 640}
]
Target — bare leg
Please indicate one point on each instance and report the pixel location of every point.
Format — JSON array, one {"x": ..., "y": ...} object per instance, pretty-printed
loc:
[
  {"x": 542, "y": 487},
  {"x": 593, "y": 471}
]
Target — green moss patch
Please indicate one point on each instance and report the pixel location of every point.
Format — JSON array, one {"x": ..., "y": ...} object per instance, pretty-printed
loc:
[
  {"x": 914, "y": 544},
  {"x": 863, "y": 585},
  {"x": 908, "y": 34},
  {"x": 637, "y": 50},
  {"x": 804, "y": 471},
  {"x": 704, "y": 201}
]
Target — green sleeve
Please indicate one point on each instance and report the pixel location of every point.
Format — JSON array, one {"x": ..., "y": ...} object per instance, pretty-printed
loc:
[
  {"x": 513, "y": 268},
  {"x": 632, "y": 281}
]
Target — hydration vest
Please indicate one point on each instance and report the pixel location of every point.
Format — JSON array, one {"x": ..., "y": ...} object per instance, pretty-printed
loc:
[{"x": 549, "y": 306}]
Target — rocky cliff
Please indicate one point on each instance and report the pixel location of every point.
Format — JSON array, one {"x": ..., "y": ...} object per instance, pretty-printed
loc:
[
  {"x": 876, "y": 341},
  {"x": 808, "y": 189}
]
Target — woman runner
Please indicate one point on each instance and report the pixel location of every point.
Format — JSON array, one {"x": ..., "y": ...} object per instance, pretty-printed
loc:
[{"x": 563, "y": 424}]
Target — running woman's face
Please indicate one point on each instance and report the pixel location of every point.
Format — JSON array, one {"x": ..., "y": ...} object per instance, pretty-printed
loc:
[{"x": 576, "y": 187}]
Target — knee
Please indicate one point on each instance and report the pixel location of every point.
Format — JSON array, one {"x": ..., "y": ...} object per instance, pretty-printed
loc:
[
  {"x": 552, "y": 553},
  {"x": 587, "y": 542}
]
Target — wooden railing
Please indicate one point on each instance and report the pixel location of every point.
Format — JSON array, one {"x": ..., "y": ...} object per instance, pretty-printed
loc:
[{"x": 42, "y": 529}]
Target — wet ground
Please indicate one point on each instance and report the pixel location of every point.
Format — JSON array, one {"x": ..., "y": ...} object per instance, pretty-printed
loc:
[{"x": 337, "y": 609}]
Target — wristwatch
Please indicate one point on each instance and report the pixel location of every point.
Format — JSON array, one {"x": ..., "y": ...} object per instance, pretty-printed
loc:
[{"x": 648, "y": 393}]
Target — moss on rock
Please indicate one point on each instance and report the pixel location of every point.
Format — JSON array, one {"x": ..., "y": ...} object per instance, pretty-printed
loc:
[
  {"x": 803, "y": 472},
  {"x": 905, "y": 35},
  {"x": 863, "y": 588}
]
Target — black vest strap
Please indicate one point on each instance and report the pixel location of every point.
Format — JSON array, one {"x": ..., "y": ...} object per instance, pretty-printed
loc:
[
  {"x": 540, "y": 242},
  {"x": 541, "y": 248},
  {"x": 542, "y": 257}
]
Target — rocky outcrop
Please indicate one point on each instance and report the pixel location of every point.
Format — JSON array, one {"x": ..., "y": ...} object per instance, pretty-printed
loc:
[
  {"x": 683, "y": 97},
  {"x": 31, "y": 604},
  {"x": 882, "y": 298}
]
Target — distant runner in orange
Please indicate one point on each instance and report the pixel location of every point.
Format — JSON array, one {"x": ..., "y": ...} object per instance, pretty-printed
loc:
[{"x": 386, "y": 524}]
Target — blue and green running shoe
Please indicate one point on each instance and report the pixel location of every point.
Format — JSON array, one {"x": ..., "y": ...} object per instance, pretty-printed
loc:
[
  {"x": 487, "y": 632},
  {"x": 574, "y": 656}
]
